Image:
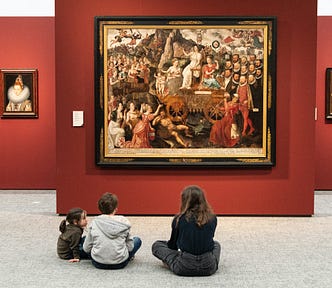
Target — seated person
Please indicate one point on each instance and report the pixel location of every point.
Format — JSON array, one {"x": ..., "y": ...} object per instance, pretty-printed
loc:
[{"x": 209, "y": 69}]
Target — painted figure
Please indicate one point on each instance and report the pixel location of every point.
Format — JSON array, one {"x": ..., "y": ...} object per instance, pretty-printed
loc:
[
  {"x": 193, "y": 68},
  {"x": 18, "y": 96}
]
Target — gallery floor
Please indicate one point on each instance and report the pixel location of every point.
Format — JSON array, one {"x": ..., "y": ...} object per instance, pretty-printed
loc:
[{"x": 256, "y": 251}]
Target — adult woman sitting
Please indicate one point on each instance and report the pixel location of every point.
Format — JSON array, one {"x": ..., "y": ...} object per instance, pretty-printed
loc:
[{"x": 191, "y": 250}]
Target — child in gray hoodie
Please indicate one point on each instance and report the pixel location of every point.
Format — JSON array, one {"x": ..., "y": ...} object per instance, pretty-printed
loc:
[{"x": 108, "y": 240}]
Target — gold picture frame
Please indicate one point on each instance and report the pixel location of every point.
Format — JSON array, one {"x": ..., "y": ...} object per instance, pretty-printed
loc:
[
  {"x": 328, "y": 93},
  {"x": 165, "y": 93},
  {"x": 19, "y": 93}
]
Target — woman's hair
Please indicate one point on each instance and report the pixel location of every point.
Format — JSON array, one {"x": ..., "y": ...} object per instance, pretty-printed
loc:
[
  {"x": 74, "y": 214},
  {"x": 174, "y": 60},
  {"x": 194, "y": 204},
  {"x": 19, "y": 81},
  {"x": 107, "y": 203}
]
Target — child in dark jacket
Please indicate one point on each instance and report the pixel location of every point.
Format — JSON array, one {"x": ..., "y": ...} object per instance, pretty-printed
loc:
[{"x": 70, "y": 242}]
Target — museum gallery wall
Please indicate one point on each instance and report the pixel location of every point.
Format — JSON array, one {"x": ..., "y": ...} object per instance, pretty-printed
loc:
[
  {"x": 323, "y": 151},
  {"x": 286, "y": 188},
  {"x": 27, "y": 145},
  {"x": 28, "y": 154}
]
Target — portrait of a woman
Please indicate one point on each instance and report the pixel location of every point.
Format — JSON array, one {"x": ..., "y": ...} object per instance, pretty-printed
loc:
[{"x": 18, "y": 96}]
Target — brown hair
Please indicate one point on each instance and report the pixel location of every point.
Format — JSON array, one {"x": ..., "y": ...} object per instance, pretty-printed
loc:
[
  {"x": 107, "y": 203},
  {"x": 74, "y": 214},
  {"x": 194, "y": 204}
]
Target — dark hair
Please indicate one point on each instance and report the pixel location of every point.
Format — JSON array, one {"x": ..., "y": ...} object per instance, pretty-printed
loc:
[
  {"x": 107, "y": 203},
  {"x": 194, "y": 204},
  {"x": 74, "y": 214}
]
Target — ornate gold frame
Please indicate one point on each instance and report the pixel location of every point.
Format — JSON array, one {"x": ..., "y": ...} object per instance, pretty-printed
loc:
[{"x": 144, "y": 39}]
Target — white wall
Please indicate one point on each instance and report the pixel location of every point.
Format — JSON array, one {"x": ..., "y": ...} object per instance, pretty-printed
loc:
[
  {"x": 34, "y": 8},
  {"x": 324, "y": 7},
  {"x": 46, "y": 7}
]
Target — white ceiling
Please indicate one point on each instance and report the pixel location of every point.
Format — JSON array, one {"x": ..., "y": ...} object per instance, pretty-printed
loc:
[{"x": 47, "y": 7}]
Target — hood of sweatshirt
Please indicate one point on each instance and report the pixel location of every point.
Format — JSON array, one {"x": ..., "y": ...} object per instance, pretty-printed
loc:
[{"x": 112, "y": 226}]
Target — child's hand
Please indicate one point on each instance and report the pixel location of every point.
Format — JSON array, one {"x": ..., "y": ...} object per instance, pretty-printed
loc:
[{"x": 74, "y": 260}]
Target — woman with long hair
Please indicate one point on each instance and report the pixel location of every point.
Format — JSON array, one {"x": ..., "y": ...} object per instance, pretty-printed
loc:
[{"x": 191, "y": 250}]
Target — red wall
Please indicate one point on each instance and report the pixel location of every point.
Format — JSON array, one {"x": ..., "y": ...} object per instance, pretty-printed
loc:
[
  {"x": 27, "y": 146},
  {"x": 323, "y": 145},
  {"x": 287, "y": 188}
]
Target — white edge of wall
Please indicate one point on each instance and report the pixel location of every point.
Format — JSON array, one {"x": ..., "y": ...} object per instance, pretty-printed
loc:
[
  {"x": 27, "y": 8},
  {"x": 31, "y": 8},
  {"x": 324, "y": 7}
]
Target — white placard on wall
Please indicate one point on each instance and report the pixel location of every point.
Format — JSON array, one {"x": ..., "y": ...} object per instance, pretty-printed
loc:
[{"x": 78, "y": 118}]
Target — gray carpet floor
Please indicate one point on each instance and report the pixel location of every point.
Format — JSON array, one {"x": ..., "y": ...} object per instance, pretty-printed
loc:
[{"x": 256, "y": 251}]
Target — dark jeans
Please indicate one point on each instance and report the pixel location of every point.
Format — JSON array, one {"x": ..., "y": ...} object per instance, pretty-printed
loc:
[
  {"x": 186, "y": 264},
  {"x": 137, "y": 245},
  {"x": 83, "y": 254}
]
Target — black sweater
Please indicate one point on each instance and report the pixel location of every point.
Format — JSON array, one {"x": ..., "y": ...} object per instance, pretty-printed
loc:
[{"x": 190, "y": 238}]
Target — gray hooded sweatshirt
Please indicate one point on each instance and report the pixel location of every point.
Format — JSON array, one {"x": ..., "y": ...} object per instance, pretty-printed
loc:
[{"x": 108, "y": 239}]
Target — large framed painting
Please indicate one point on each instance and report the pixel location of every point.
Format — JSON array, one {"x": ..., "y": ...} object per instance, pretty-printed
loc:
[
  {"x": 19, "y": 93},
  {"x": 328, "y": 94},
  {"x": 186, "y": 91}
]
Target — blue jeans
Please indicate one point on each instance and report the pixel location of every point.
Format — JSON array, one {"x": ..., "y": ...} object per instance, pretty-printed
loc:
[{"x": 137, "y": 245}]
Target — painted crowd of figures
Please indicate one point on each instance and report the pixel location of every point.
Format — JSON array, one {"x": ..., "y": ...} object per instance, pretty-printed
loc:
[{"x": 140, "y": 88}]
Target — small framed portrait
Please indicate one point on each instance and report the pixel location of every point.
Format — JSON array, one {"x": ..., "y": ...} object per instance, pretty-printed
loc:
[
  {"x": 19, "y": 93},
  {"x": 328, "y": 94}
]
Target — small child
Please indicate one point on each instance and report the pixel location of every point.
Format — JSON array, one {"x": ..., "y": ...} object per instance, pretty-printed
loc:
[
  {"x": 160, "y": 83},
  {"x": 70, "y": 242},
  {"x": 108, "y": 240}
]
